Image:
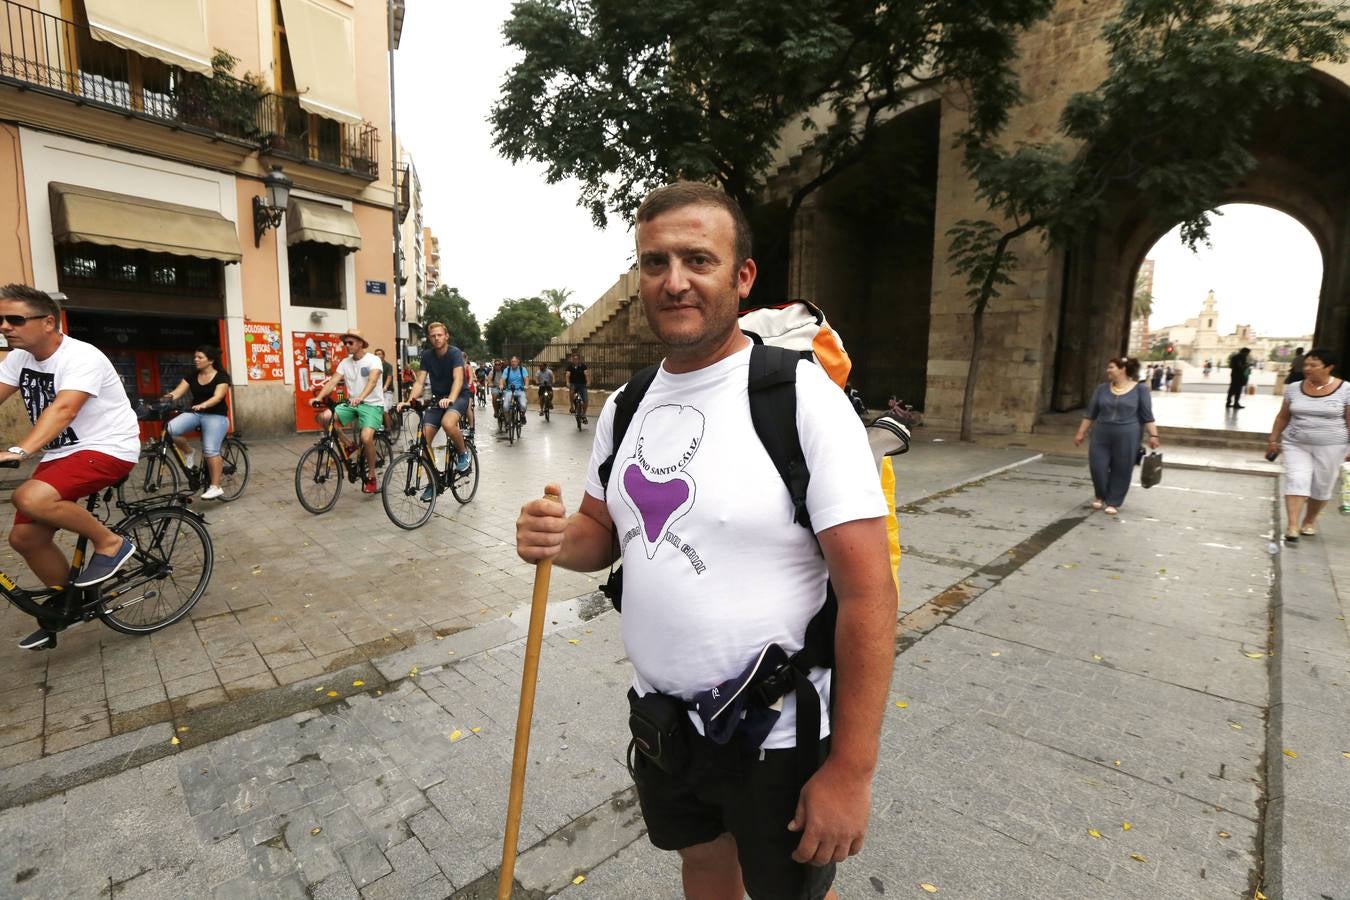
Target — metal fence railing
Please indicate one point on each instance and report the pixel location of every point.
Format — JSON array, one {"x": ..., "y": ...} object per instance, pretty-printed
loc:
[
  {"x": 608, "y": 366},
  {"x": 49, "y": 54},
  {"x": 291, "y": 131}
]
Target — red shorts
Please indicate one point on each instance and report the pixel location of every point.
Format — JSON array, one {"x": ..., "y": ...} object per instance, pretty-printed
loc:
[{"x": 78, "y": 475}]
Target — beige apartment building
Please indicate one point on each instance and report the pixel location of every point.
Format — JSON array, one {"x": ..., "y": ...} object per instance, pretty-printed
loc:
[{"x": 137, "y": 143}]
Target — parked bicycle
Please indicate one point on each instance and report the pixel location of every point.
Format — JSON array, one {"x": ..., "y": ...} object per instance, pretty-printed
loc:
[
  {"x": 413, "y": 481},
  {"x": 159, "y": 585},
  {"x": 321, "y": 469},
  {"x": 162, "y": 470}
]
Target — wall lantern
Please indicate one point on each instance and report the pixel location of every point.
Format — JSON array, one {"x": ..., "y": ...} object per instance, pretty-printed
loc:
[{"x": 267, "y": 213}]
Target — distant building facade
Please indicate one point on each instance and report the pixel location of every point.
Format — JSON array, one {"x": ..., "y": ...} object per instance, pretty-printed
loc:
[{"x": 1198, "y": 339}]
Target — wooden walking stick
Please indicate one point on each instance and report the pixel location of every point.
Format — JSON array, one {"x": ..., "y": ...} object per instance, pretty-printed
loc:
[{"x": 534, "y": 638}]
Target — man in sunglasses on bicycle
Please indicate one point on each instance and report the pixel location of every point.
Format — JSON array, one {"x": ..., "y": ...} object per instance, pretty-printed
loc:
[
  {"x": 362, "y": 373},
  {"x": 86, "y": 429},
  {"x": 514, "y": 379}
]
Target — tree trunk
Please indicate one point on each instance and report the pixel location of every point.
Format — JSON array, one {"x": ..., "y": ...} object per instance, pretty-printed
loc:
[
  {"x": 979, "y": 307},
  {"x": 972, "y": 371}
]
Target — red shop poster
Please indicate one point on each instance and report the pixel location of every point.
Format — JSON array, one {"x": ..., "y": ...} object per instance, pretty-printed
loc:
[{"x": 315, "y": 355}]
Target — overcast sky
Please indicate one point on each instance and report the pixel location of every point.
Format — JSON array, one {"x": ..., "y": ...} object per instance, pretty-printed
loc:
[
  {"x": 1264, "y": 268},
  {"x": 504, "y": 232}
]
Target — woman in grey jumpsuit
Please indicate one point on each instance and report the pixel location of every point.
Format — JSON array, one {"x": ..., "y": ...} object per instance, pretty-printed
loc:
[{"x": 1117, "y": 412}]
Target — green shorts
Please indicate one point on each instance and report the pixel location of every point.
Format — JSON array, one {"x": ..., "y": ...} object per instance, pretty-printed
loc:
[{"x": 371, "y": 414}]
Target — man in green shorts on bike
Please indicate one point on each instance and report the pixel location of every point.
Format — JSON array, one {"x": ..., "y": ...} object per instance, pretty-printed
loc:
[{"x": 362, "y": 373}]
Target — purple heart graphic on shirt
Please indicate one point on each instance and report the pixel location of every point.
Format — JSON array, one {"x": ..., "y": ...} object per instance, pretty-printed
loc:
[{"x": 656, "y": 500}]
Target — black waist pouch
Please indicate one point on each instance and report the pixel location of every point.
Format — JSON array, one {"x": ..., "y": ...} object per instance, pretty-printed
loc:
[{"x": 660, "y": 726}]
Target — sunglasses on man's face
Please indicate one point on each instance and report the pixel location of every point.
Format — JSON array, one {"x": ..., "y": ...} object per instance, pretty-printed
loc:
[
  {"x": 350, "y": 343},
  {"x": 15, "y": 320}
]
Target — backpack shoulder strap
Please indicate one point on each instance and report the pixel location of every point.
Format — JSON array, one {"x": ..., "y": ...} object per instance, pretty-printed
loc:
[
  {"x": 625, "y": 407},
  {"x": 773, "y": 410}
]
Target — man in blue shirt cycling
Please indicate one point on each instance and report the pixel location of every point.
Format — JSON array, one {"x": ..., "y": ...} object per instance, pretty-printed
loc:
[{"x": 513, "y": 382}]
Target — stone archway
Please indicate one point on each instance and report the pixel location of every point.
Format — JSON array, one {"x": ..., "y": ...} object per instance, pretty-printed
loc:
[
  {"x": 861, "y": 247},
  {"x": 1301, "y": 171}
]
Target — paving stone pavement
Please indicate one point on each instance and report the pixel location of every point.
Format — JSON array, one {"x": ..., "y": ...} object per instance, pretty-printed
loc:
[
  {"x": 292, "y": 596},
  {"x": 1108, "y": 679}
]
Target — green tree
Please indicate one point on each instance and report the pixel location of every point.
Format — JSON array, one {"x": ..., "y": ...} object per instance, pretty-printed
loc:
[
  {"x": 624, "y": 100},
  {"x": 522, "y": 326},
  {"x": 556, "y": 300},
  {"x": 447, "y": 305},
  {"x": 1173, "y": 119},
  {"x": 1143, "y": 304},
  {"x": 571, "y": 312}
]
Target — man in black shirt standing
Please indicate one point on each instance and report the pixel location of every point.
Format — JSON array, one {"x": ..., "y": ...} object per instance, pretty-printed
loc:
[{"x": 576, "y": 381}]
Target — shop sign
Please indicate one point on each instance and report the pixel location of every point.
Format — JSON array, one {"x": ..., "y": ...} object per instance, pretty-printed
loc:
[{"x": 262, "y": 348}]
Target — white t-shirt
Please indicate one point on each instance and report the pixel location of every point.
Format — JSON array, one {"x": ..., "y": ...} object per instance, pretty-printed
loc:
[
  {"x": 356, "y": 372},
  {"x": 105, "y": 423},
  {"x": 714, "y": 566}
]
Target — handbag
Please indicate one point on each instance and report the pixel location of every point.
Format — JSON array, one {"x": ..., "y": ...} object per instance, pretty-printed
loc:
[
  {"x": 1138, "y": 455},
  {"x": 1151, "y": 471}
]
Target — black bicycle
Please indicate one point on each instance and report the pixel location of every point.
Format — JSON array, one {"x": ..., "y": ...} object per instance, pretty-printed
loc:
[
  {"x": 545, "y": 400},
  {"x": 412, "y": 482},
  {"x": 162, "y": 470},
  {"x": 163, "y": 580},
  {"x": 578, "y": 409},
  {"x": 515, "y": 423},
  {"x": 320, "y": 472}
]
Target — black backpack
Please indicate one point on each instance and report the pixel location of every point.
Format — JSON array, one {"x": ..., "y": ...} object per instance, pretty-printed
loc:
[{"x": 773, "y": 411}]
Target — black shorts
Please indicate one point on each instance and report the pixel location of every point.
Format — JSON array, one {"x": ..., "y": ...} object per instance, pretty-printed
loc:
[
  {"x": 433, "y": 414},
  {"x": 729, "y": 790}
]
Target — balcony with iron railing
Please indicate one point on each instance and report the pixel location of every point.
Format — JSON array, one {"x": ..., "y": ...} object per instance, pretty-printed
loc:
[{"x": 57, "y": 57}]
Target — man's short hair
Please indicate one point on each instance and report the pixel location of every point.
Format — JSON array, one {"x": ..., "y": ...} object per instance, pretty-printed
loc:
[
  {"x": 693, "y": 193},
  {"x": 441, "y": 325},
  {"x": 40, "y": 303}
]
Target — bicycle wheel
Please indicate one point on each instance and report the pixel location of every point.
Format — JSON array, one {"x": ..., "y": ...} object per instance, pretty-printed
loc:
[
  {"x": 384, "y": 450},
  {"x": 407, "y": 481},
  {"x": 520, "y": 422},
  {"x": 234, "y": 469},
  {"x": 576, "y": 410},
  {"x": 154, "y": 476},
  {"x": 318, "y": 478},
  {"x": 465, "y": 484},
  {"x": 170, "y": 571}
]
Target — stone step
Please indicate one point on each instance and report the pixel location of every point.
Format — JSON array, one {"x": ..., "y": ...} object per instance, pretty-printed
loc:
[{"x": 1061, "y": 423}]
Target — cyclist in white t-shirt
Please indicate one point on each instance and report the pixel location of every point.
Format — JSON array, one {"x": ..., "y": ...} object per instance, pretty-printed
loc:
[
  {"x": 715, "y": 569},
  {"x": 361, "y": 373},
  {"x": 86, "y": 428}
]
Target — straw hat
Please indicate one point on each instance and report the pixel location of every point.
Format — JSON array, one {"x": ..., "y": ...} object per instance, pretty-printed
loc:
[{"x": 354, "y": 333}]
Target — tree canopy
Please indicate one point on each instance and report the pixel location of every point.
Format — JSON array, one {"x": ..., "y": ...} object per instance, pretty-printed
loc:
[
  {"x": 624, "y": 98},
  {"x": 522, "y": 326},
  {"x": 448, "y": 306},
  {"x": 1186, "y": 84}
]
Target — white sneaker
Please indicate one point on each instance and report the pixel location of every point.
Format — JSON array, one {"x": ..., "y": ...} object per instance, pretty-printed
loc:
[
  {"x": 190, "y": 458},
  {"x": 212, "y": 492}
]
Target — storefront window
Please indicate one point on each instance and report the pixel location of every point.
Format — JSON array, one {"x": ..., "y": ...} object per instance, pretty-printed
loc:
[
  {"x": 119, "y": 269},
  {"x": 316, "y": 272}
]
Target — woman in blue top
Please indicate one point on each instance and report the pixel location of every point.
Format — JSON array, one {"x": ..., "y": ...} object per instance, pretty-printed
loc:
[{"x": 1115, "y": 414}]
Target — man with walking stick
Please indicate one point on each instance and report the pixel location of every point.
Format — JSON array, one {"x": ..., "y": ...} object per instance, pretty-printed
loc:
[{"x": 728, "y": 602}]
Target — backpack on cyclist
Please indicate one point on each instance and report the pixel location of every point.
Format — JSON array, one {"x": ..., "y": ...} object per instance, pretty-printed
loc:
[{"x": 783, "y": 335}]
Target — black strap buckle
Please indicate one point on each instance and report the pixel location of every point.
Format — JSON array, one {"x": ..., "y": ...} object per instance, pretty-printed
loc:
[{"x": 772, "y": 688}]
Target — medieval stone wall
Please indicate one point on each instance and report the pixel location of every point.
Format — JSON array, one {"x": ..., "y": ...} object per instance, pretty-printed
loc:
[{"x": 1059, "y": 58}]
